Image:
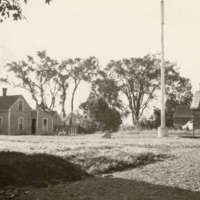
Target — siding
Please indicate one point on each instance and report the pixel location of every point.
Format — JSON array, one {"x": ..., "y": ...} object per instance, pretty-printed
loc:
[
  {"x": 4, "y": 115},
  {"x": 57, "y": 120},
  {"x": 196, "y": 119},
  {"x": 42, "y": 115},
  {"x": 180, "y": 121},
  {"x": 15, "y": 114},
  {"x": 34, "y": 114}
]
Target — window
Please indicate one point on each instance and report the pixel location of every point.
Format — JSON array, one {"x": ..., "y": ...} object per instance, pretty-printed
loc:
[
  {"x": 45, "y": 124},
  {"x": 20, "y": 123},
  {"x": 1, "y": 122},
  {"x": 20, "y": 107}
]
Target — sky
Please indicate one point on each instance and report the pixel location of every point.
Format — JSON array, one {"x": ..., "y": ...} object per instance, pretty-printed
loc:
[{"x": 106, "y": 29}]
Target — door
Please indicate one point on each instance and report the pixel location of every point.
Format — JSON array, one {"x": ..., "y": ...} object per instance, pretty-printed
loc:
[{"x": 33, "y": 126}]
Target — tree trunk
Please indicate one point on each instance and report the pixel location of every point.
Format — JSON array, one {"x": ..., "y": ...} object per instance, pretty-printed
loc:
[
  {"x": 72, "y": 106},
  {"x": 72, "y": 100},
  {"x": 63, "y": 108},
  {"x": 135, "y": 119}
]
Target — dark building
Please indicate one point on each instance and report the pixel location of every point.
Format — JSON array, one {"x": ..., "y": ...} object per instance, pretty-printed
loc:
[
  {"x": 195, "y": 107},
  {"x": 183, "y": 114}
]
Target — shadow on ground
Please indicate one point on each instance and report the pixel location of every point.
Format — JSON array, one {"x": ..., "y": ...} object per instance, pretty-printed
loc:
[
  {"x": 110, "y": 188},
  {"x": 190, "y": 136},
  {"x": 67, "y": 181},
  {"x": 39, "y": 170}
]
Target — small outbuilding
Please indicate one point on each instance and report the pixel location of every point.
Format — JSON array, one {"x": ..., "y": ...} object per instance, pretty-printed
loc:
[
  {"x": 182, "y": 115},
  {"x": 195, "y": 107}
]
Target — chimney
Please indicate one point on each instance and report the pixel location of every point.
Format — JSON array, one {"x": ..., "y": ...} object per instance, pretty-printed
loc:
[{"x": 4, "y": 92}]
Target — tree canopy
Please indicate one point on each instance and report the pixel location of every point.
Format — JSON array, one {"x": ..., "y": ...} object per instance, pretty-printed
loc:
[
  {"x": 107, "y": 88},
  {"x": 47, "y": 80},
  {"x": 139, "y": 80},
  {"x": 179, "y": 95},
  {"x": 38, "y": 76},
  {"x": 80, "y": 70},
  {"x": 100, "y": 114},
  {"x": 12, "y": 9}
]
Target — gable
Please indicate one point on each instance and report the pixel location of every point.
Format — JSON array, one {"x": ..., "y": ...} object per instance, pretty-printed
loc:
[
  {"x": 56, "y": 116},
  {"x": 24, "y": 104}
]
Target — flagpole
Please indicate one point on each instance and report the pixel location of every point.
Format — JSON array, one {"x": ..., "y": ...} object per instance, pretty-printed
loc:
[{"x": 162, "y": 130}]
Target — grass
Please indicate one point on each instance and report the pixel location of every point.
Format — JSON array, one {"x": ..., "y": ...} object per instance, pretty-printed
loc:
[
  {"x": 69, "y": 158},
  {"x": 86, "y": 154}
]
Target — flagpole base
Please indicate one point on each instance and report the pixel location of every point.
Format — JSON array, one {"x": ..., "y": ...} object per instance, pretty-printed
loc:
[{"x": 163, "y": 132}]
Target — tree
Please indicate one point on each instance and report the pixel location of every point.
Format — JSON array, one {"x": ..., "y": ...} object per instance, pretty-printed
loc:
[
  {"x": 80, "y": 70},
  {"x": 12, "y": 8},
  {"x": 139, "y": 80},
  {"x": 3, "y": 80},
  {"x": 178, "y": 95},
  {"x": 63, "y": 79},
  {"x": 39, "y": 78},
  {"x": 98, "y": 111},
  {"x": 108, "y": 89},
  {"x": 77, "y": 119}
]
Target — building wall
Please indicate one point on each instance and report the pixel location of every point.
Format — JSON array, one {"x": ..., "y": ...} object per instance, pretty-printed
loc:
[
  {"x": 15, "y": 114},
  {"x": 4, "y": 115},
  {"x": 196, "y": 119},
  {"x": 57, "y": 120},
  {"x": 181, "y": 121},
  {"x": 34, "y": 114},
  {"x": 41, "y": 116},
  {"x": 34, "y": 122}
]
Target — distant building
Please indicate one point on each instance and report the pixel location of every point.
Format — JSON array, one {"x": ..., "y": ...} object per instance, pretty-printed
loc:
[
  {"x": 195, "y": 107},
  {"x": 17, "y": 117},
  {"x": 184, "y": 114}
]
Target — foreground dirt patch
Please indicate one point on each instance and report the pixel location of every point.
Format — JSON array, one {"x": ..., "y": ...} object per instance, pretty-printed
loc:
[{"x": 107, "y": 189}]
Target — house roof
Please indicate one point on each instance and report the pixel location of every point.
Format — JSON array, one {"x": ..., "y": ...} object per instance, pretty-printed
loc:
[
  {"x": 53, "y": 112},
  {"x": 183, "y": 111},
  {"x": 196, "y": 101},
  {"x": 7, "y": 101}
]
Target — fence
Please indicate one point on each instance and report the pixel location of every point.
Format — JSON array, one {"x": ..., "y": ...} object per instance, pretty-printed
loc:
[{"x": 67, "y": 129}]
